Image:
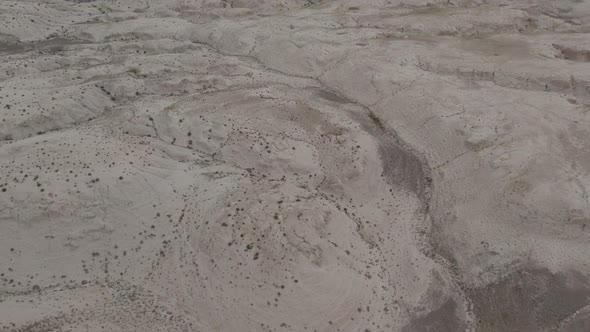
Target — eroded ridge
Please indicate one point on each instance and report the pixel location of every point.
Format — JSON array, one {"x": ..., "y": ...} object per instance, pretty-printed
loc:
[{"x": 204, "y": 165}]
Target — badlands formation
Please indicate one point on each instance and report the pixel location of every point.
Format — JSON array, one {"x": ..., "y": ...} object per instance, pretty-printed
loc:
[{"x": 295, "y": 165}]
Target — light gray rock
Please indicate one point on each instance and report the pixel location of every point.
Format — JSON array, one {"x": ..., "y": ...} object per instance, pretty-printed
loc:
[{"x": 335, "y": 165}]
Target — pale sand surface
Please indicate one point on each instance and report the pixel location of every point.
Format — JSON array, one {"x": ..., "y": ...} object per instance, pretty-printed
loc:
[{"x": 274, "y": 165}]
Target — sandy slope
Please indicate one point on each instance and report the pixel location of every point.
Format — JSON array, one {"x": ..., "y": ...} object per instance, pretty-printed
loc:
[{"x": 205, "y": 165}]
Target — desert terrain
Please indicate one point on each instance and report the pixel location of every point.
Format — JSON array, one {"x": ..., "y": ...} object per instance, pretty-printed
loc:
[{"x": 295, "y": 165}]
